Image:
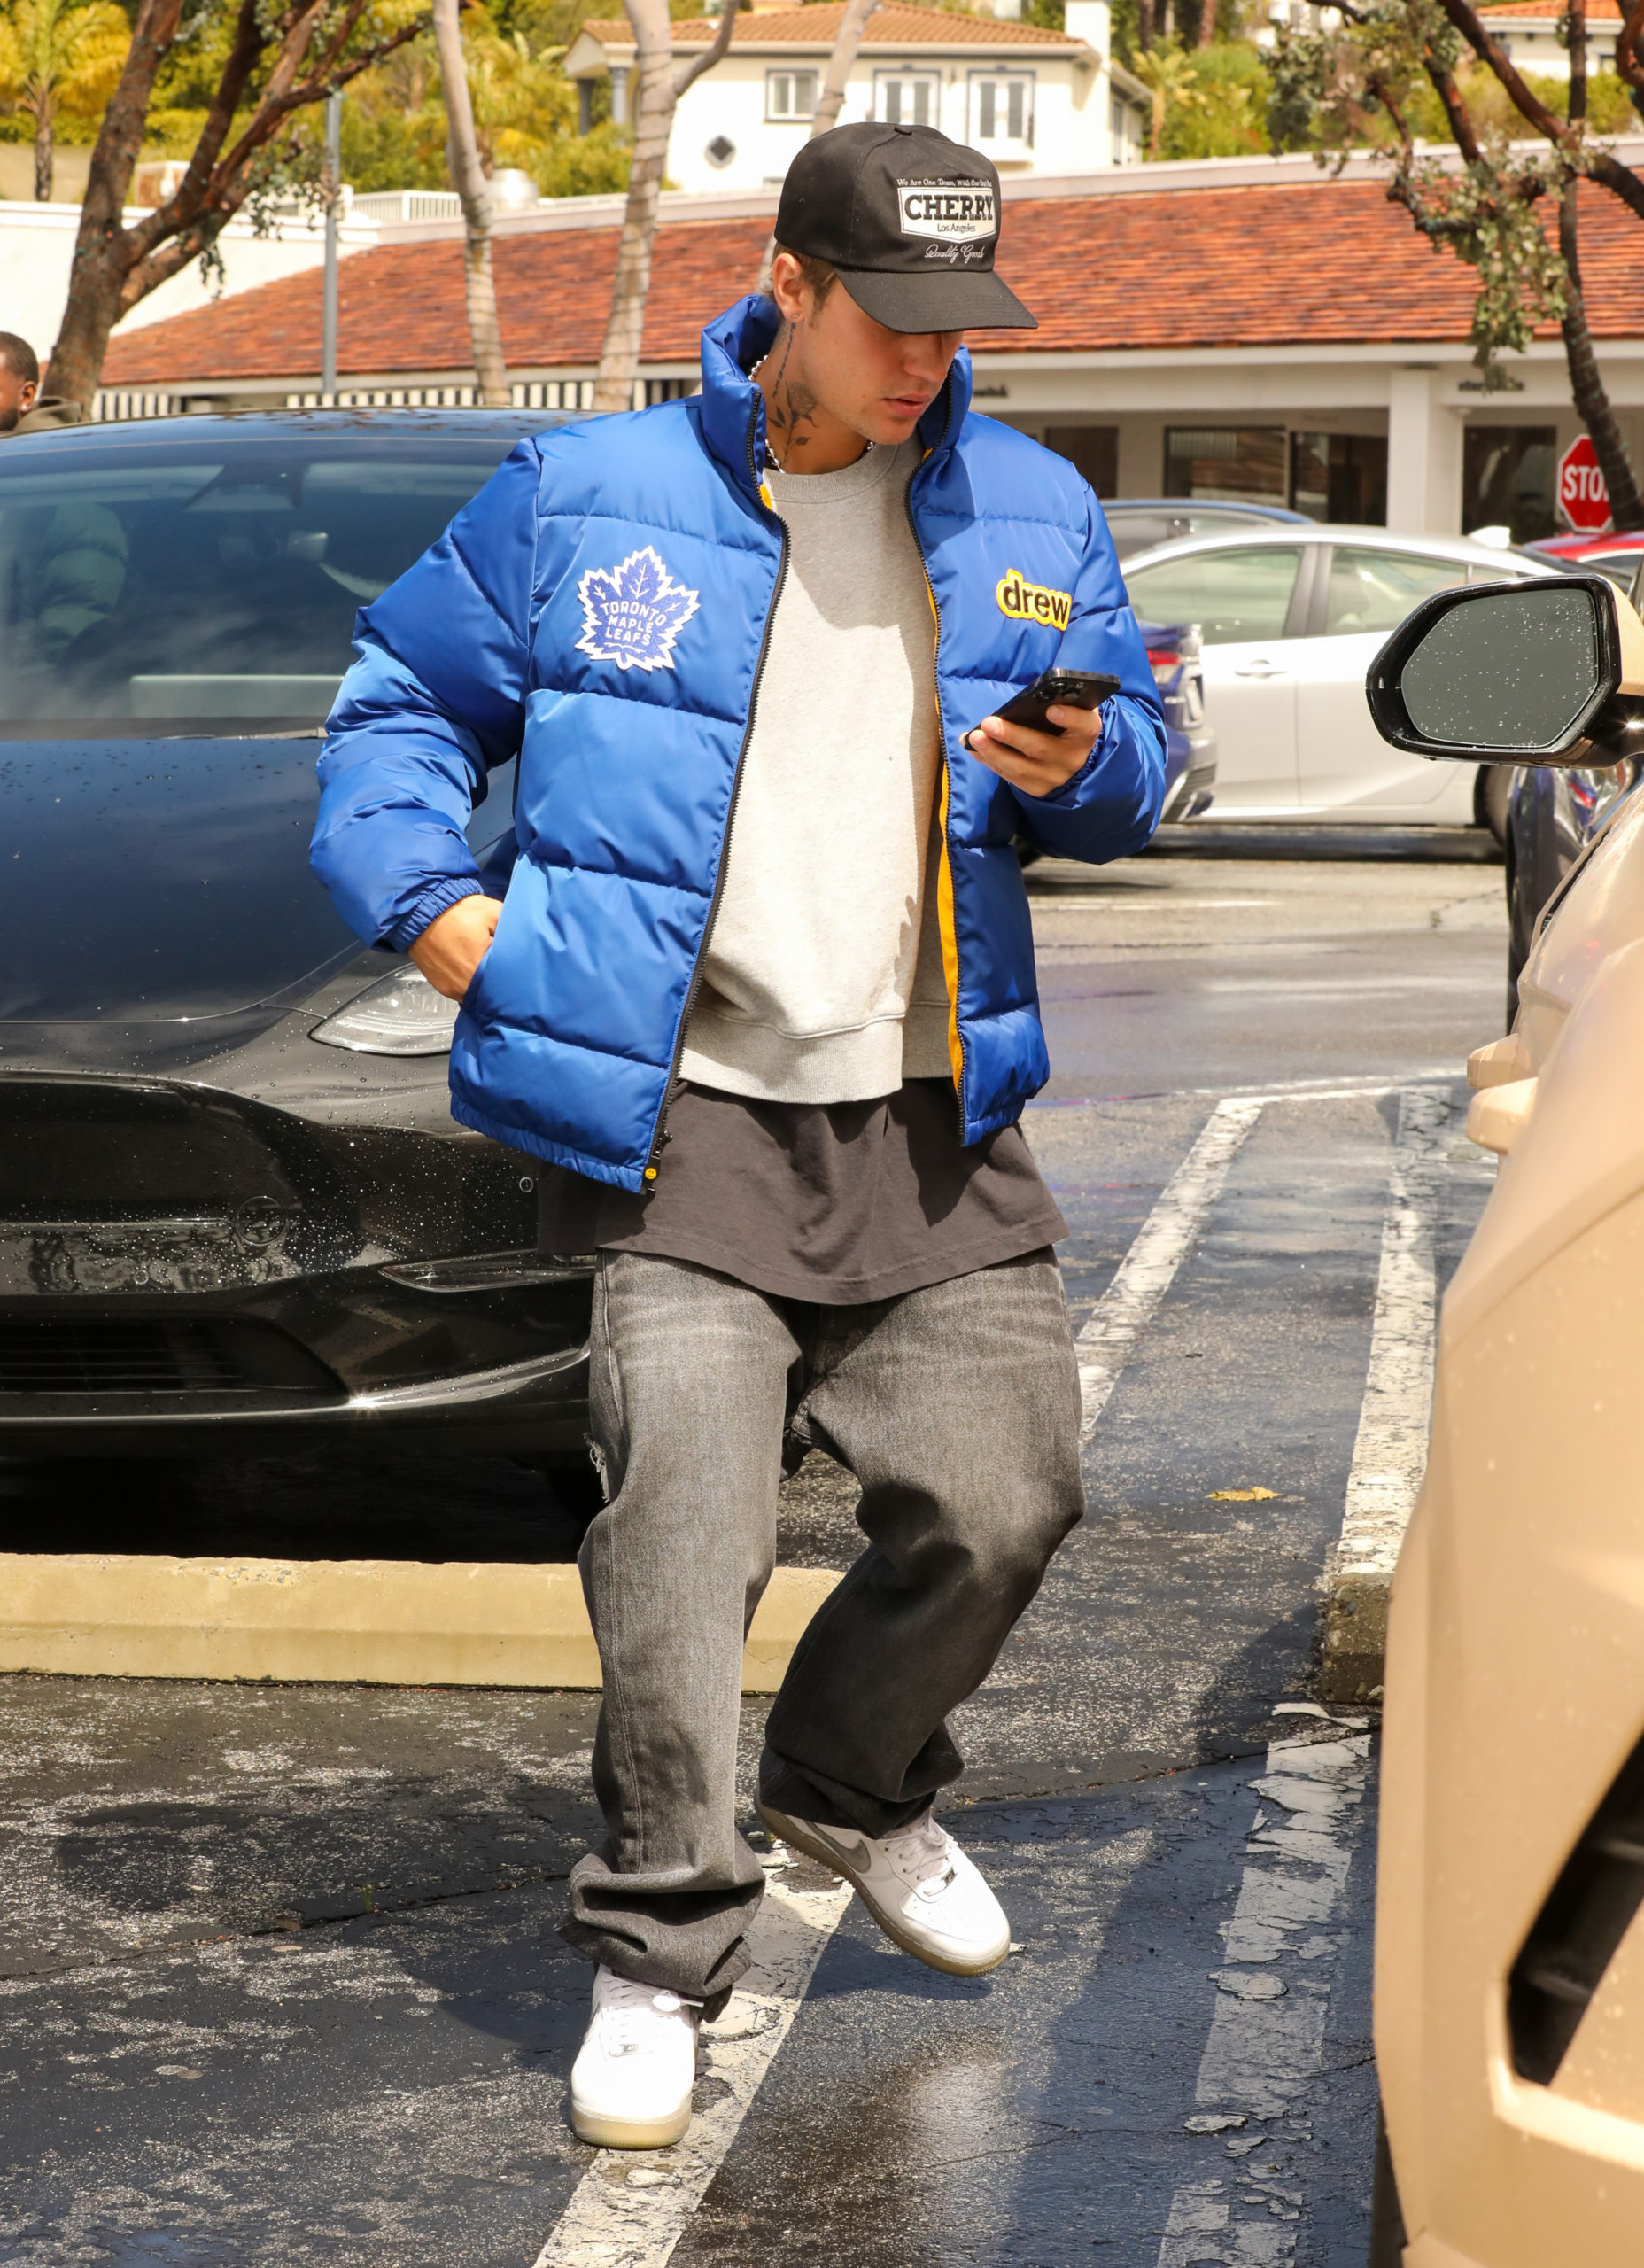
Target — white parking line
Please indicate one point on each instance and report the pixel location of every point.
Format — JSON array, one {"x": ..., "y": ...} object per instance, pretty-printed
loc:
[
  {"x": 1267, "y": 2031},
  {"x": 1163, "y": 1241},
  {"x": 631, "y": 2209},
  {"x": 1390, "y": 1455}
]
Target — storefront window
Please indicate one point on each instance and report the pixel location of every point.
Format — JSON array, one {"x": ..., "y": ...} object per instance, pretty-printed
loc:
[
  {"x": 1507, "y": 479},
  {"x": 1231, "y": 465},
  {"x": 1094, "y": 449},
  {"x": 1340, "y": 476}
]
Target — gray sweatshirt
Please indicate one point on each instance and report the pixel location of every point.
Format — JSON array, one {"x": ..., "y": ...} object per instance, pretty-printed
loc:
[{"x": 823, "y": 981}]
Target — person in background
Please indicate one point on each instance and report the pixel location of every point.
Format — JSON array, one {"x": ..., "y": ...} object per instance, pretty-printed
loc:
[
  {"x": 57, "y": 579},
  {"x": 23, "y": 407}
]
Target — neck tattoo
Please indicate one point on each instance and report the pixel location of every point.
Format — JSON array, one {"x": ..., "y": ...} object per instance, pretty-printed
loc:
[{"x": 790, "y": 408}]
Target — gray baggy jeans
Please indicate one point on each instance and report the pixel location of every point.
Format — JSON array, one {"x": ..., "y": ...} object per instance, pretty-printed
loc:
[{"x": 956, "y": 1406}]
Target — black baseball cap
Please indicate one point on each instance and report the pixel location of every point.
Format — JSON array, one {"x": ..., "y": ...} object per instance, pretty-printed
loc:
[{"x": 908, "y": 219}]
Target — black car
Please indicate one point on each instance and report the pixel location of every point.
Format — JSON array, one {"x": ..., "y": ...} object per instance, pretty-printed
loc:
[
  {"x": 1552, "y": 812},
  {"x": 233, "y": 1199}
]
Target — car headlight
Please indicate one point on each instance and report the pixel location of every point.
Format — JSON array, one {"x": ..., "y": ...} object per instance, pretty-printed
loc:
[{"x": 400, "y": 1015}]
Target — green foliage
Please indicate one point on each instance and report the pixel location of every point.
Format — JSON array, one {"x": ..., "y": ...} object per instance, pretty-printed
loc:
[
  {"x": 1489, "y": 217},
  {"x": 1295, "y": 74},
  {"x": 1391, "y": 76},
  {"x": 1341, "y": 89},
  {"x": 394, "y": 116},
  {"x": 59, "y": 62},
  {"x": 1228, "y": 116},
  {"x": 1050, "y": 15},
  {"x": 524, "y": 110},
  {"x": 1207, "y": 102}
]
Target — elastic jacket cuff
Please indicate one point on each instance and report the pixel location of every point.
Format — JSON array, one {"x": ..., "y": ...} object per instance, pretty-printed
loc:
[{"x": 428, "y": 908}]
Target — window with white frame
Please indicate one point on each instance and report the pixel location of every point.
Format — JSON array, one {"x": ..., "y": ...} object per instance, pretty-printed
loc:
[
  {"x": 1127, "y": 127},
  {"x": 790, "y": 94},
  {"x": 907, "y": 97},
  {"x": 1002, "y": 111}
]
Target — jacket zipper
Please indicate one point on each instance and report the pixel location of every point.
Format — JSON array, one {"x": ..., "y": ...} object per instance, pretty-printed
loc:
[
  {"x": 653, "y": 1163},
  {"x": 942, "y": 723}
]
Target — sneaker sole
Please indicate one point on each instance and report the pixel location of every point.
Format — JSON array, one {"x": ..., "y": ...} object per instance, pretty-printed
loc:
[
  {"x": 628, "y": 2134},
  {"x": 790, "y": 1831}
]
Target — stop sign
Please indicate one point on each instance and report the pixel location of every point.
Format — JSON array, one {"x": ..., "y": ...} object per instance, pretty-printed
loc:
[{"x": 1582, "y": 498}]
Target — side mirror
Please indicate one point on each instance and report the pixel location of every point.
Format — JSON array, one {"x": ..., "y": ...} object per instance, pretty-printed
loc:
[{"x": 1542, "y": 672}]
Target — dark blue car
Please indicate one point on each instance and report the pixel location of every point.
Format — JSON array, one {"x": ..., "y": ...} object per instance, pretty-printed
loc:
[{"x": 232, "y": 1195}]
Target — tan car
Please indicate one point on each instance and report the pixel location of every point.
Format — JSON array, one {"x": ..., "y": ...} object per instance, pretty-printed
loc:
[{"x": 1509, "y": 1983}]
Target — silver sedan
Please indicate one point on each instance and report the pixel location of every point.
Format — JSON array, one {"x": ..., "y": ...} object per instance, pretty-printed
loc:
[{"x": 1291, "y": 617}]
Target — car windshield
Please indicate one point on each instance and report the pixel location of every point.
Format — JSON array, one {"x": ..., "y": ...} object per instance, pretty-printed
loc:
[{"x": 208, "y": 585}]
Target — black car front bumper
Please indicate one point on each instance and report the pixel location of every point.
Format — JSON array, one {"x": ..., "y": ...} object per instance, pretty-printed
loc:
[{"x": 180, "y": 1263}]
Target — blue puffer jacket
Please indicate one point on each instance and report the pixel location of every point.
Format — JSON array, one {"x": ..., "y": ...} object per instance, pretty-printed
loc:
[{"x": 602, "y": 607}]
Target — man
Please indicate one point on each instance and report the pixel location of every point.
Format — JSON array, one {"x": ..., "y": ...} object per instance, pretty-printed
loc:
[
  {"x": 23, "y": 409},
  {"x": 761, "y": 997}
]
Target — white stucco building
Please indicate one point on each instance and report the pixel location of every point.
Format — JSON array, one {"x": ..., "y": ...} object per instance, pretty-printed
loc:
[
  {"x": 1532, "y": 34},
  {"x": 1033, "y": 101}
]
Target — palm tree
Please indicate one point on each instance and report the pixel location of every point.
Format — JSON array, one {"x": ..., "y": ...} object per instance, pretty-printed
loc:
[
  {"x": 56, "y": 60},
  {"x": 468, "y": 176},
  {"x": 1167, "y": 73},
  {"x": 847, "y": 41},
  {"x": 661, "y": 86}
]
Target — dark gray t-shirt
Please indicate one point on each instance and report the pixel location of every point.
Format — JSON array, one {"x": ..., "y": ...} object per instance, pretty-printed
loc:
[{"x": 836, "y": 1202}]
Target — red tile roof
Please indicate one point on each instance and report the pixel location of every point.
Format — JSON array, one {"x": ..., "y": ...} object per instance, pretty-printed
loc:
[
  {"x": 1599, "y": 11},
  {"x": 817, "y": 26},
  {"x": 1312, "y": 264}
]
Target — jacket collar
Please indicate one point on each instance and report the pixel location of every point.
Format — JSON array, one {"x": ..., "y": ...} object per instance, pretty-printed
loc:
[{"x": 734, "y": 409}]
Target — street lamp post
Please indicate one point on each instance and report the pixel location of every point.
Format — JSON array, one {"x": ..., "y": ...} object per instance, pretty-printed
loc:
[{"x": 333, "y": 199}]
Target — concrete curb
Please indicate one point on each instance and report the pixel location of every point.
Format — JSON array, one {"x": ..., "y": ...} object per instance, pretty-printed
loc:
[
  {"x": 1354, "y": 1635},
  {"x": 336, "y": 1621}
]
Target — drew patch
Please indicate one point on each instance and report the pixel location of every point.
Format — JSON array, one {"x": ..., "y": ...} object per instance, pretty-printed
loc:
[
  {"x": 631, "y": 614},
  {"x": 1026, "y": 602}
]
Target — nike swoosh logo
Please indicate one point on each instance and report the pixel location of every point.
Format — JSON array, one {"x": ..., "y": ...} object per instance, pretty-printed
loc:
[{"x": 861, "y": 1856}]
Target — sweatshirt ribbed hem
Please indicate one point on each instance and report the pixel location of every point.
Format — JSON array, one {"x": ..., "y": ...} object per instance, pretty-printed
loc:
[{"x": 740, "y": 1057}]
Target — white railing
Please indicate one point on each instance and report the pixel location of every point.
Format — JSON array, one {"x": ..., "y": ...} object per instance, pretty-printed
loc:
[
  {"x": 115, "y": 408},
  {"x": 407, "y": 205}
]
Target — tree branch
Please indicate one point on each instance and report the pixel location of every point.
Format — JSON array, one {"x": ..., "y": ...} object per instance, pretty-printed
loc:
[
  {"x": 120, "y": 135},
  {"x": 1607, "y": 169},
  {"x": 1599, "y": 165},
  {"x": 1454, "y": 109},
  {"x": 1467, "y": 22},
  {"x": 270, "y": 117},
  {"x": 689, "y": 73},
  {"x": 190, "y": 197},
  {"x": 1629, "y": 41}
]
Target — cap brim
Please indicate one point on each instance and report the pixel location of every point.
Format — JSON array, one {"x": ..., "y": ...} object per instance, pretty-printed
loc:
[{"x": 949, "y": 300}]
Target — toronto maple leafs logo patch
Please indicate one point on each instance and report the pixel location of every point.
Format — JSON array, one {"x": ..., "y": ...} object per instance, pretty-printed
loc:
[{"x": 631, "y": 614}]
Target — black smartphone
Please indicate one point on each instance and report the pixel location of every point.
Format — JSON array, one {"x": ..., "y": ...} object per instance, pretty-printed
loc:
[{"x": 1066, "y": 688}]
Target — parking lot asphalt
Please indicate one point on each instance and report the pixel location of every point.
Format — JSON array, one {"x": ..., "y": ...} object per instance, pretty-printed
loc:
[{"x": 278, "y": 1975}]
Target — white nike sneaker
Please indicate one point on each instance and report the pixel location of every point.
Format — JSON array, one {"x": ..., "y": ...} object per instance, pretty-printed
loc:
[
  {"x": 631, "y": 2084},
  {"x": 917, "y": 1884}
]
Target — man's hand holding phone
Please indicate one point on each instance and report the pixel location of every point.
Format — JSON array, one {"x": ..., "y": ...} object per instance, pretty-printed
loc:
[{"x": 1038, "y": 741}]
